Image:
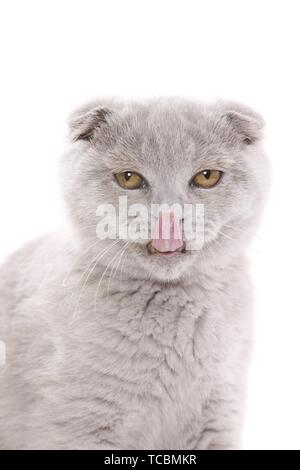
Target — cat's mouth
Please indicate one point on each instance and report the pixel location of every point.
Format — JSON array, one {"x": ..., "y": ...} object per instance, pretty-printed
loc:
[
  {"x": 152, "y": 250},
  {"x": 167, "y": 238}
]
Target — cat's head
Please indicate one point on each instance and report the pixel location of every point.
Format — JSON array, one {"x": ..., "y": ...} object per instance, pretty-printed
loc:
[{"x": 164, "y": 151}]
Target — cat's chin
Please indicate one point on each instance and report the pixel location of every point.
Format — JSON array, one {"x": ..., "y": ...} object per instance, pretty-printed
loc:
[{"x": 164, "y": 267}]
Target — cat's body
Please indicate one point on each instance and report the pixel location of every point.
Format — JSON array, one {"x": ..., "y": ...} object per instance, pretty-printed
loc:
[{"x": 139, "y": 356}]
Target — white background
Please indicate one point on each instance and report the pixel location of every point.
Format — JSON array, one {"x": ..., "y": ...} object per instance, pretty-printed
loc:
[{"x": 57, "y": 54}]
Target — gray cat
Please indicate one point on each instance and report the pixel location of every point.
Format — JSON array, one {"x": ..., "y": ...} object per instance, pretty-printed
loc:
[{"x": 137, "y": 343}]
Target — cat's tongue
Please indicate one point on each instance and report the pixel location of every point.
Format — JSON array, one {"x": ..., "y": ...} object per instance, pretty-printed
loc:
[{"x": 167, "y": 236}]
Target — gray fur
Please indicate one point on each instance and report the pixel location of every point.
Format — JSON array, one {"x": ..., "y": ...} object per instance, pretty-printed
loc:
[{"x": 151, "y": 353}]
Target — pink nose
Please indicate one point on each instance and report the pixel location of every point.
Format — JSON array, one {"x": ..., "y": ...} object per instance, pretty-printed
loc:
[{"x": 167, "y": 236}]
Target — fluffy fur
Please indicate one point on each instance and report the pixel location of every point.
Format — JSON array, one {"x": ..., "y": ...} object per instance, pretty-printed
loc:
[{"x": 109, "y": 347}]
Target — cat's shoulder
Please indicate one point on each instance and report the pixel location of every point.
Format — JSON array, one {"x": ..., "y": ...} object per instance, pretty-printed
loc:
[{"x": 23, "y": 269}]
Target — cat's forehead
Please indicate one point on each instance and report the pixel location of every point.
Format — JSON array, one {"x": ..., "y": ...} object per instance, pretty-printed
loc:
[
  {"x": 160, "y": 136},
  {"x": 167, "y": 135}
]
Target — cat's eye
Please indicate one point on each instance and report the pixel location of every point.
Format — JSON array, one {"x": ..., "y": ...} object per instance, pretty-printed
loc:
[
  {"x": 206, "y": 178},
  {"x": 130, "y": 180}
]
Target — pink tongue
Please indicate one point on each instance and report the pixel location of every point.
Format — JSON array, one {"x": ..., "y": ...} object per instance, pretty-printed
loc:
[{"x": 167, "y": 233}]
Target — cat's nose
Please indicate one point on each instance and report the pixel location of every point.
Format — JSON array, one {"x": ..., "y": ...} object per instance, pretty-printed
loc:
[{"x": 167, "y": 234}]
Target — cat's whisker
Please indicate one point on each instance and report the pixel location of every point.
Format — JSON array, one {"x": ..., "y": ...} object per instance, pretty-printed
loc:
[
  {"x": 219, "y": 231},
  {"x": 64, "y": 283},
  {"x": 226, "y": 235},
  {"x": 115, "y": 265},
  {"x": 235, "y": 229},
  {"x": 98, "y": 258},
  {"x": 215, "y": 239},
  {"x": 231, "y": 227},
  {"x": 103, "y": 274},
  {"x": 123, "y": 263},
  {"x": 115, "y": 269},
  {"x": 115, "y": 261}
]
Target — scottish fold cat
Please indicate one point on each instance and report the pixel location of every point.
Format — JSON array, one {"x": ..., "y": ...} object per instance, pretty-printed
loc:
[{"x": 137, "y": 341}]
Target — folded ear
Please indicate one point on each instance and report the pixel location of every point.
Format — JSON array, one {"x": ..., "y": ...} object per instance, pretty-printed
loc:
[
  {"x": 246, "y": 123},
  {"x": 83, "y": 124}
]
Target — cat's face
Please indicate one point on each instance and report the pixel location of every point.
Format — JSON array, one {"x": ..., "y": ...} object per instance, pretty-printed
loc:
[{"x": 166, "y": 152}]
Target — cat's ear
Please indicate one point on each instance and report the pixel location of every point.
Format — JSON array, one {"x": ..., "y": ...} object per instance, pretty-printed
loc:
[
  {"x": 82, "y": 125},
  {"x": 245, "y": 123}
]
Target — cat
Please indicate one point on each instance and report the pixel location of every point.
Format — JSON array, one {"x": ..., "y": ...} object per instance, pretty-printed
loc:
[{"x": 138, "y": 343}]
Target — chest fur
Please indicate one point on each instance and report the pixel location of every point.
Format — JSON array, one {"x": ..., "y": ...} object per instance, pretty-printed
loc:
[{"x": 152, "y": 336}]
